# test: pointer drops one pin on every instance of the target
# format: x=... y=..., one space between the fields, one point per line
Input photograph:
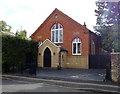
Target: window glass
x=56 y=25
x=57 y=33
x=78 y=46
x=76 y=39
x=60 y=26
x=53 y=36
x=61 y=36
x=74 y=48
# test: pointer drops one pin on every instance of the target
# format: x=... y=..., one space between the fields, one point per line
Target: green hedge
x=14 y=50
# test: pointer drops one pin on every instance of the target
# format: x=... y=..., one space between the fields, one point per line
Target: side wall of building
x=97 y=42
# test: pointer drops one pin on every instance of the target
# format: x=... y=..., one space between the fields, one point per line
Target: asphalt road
x=24 y=86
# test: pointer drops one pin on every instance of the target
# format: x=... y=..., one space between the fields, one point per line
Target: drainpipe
x=59 y=66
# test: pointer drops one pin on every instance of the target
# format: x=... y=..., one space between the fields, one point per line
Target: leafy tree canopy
x=108 y=24
x=21 y=34
x=4 y=26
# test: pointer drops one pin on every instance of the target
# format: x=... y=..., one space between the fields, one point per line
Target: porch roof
x=63 y=49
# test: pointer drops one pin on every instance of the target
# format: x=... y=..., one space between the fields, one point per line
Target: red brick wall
x=71 y=29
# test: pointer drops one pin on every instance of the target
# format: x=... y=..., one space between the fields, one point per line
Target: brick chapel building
x=64 y=42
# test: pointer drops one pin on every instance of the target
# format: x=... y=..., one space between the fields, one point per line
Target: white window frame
x=57 y=30
x=76 y=41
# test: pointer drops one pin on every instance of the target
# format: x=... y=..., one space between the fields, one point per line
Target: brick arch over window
x=57 y=33
x=76 y=46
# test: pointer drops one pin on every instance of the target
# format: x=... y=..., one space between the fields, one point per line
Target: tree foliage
x=15 y=50
x=108 y=24
x=4 y=26
x=21 y=34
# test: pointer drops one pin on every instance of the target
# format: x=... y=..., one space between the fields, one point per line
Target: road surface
x=24 y=86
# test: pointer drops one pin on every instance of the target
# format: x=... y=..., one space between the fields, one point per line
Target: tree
x=108 y=24
x=21 y=34
x=4 y=26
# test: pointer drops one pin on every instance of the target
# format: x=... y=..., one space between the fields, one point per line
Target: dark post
x=21 y=68
x=4 y=68
x=13 y=69
x=108 y=68
x=59 y=66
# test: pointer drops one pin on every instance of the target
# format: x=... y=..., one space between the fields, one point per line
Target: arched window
x=57 y=33
x=76 y=46
x=92 y=47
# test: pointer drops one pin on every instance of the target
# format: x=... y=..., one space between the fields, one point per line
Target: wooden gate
x=100 y=61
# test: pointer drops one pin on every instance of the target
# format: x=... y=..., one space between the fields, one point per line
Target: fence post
x=108 y=67
x=21 y=68
x=13 y=68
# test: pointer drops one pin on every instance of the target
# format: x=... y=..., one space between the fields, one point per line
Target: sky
x=30 y=14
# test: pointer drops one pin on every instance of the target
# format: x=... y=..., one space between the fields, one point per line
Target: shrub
x=15 y=53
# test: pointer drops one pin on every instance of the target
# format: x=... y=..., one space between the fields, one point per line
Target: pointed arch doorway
x=47 y=58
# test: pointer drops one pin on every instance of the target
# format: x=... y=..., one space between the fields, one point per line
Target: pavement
x=80 y=79
x=73 y=74
x=16 y=86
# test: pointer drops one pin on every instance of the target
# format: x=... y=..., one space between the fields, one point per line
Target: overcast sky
x=31 y=13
